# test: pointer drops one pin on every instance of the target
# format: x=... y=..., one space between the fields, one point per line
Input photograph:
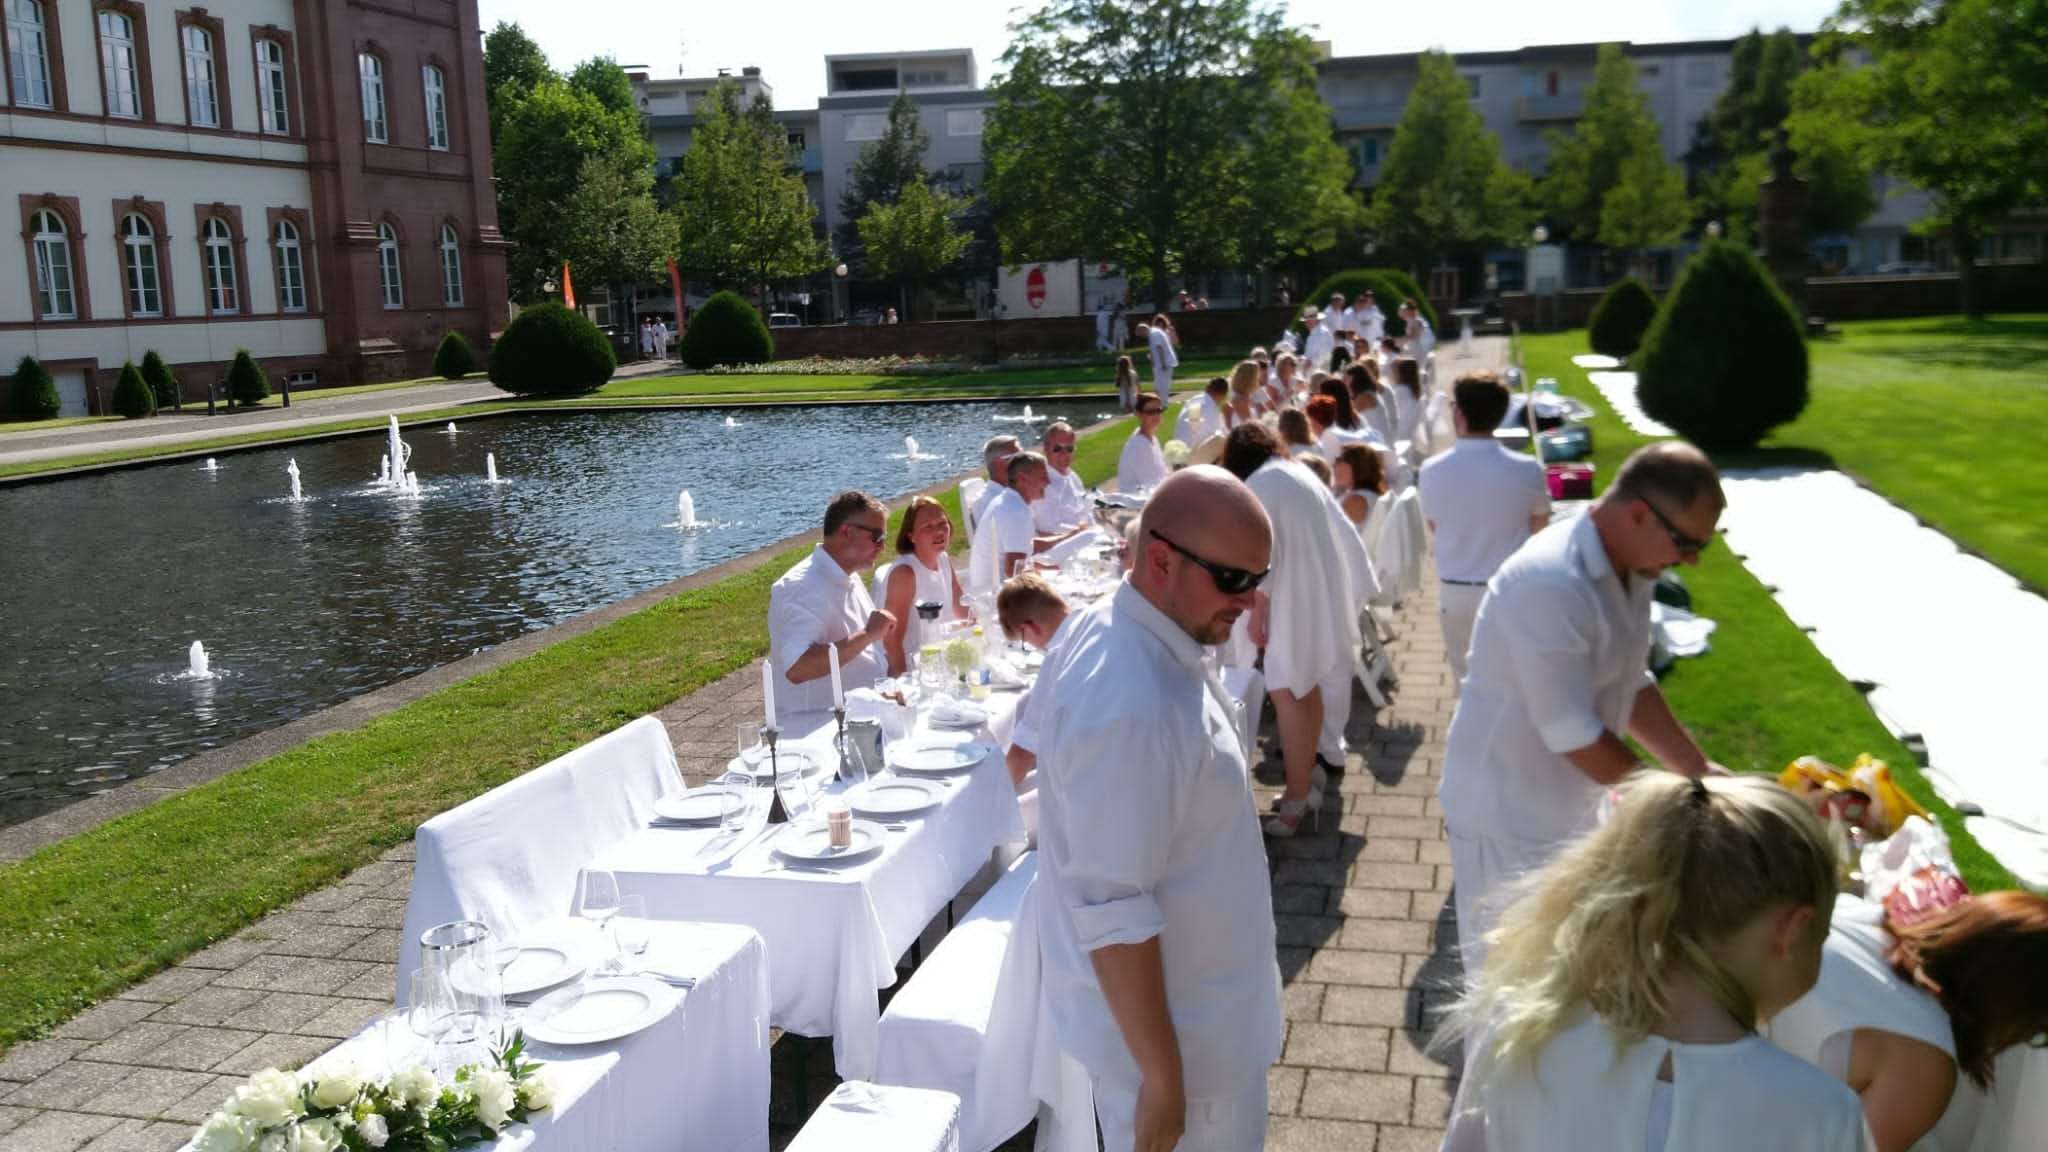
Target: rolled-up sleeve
x=1553 y=626
x=1119 y=841
x=794 y=626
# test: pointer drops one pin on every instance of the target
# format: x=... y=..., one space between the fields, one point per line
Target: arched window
x=221 y=289
x=118 y=68
x=371 y=71
x=387 y=267
x=138 y=262
x=54 y=295
x=436 y=86
x=202 y=93
x=451 y=267
x=272 y=94
x=291 y=269
x=28 y=54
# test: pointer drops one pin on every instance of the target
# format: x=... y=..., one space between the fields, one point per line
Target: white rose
x=275 y=1142
x=373 y=1130
x=336 y=1085
x=321 y=1135
x=270 y=1098
x=540 y=1095
x=224 y=1132
x=494 y=1097
x=415 y=1086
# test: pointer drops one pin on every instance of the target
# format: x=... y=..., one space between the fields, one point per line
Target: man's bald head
x=1200 y=512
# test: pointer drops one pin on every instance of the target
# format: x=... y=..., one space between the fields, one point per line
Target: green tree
x=33 y=395
x=162 y=384
x=1444 y=188
x=1646 y=208
x=615 y=233
x=132 y=397
x=1945 y=94
x=1297 y=208
x=741 y=213
x=602 y=77
x=545 y=139
x=513 y=67
x=913 y=240
x=882 y=172
x=1586 y=163
x=247 y=384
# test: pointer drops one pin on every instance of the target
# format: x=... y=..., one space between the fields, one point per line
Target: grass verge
x=1763 y=695
x=87 y=917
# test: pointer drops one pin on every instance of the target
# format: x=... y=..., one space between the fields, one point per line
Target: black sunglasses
x=1679 y=540
x=1229 y=581
x=875 y=534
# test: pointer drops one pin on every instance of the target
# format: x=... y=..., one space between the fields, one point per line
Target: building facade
x=306 y=179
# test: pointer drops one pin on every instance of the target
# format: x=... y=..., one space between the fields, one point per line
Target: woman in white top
x=1297 y=434
x=1357 y=478
x=1407 y=403
x=1618 y=1006
x=1126 y=384
x=922 y=573
x=1280 y=387
x=1914 y=1016
x=1247 y=388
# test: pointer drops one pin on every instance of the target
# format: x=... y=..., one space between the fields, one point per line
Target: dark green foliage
x=157 y=374
x=1389 y=287
x=1725 y=360
x=453 y=360
x=246 y=383
x=726 y=330
x=1621 y=318
x=132 y=397
x=549 y=350
x=33 y=395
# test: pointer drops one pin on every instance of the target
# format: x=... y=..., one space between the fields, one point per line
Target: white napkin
x=958 y=713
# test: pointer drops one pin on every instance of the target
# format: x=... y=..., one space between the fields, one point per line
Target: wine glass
x=427 y=1018
x=631 y=926
x=751 y=750
x=600 y=891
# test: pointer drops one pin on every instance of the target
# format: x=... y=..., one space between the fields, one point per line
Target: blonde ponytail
x=1681 y=865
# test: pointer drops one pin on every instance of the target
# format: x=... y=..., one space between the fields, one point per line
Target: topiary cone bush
x=157 y=374
x=453 y=360
x=33 y=395
x=548 y=350
x=1725 y=360
x=1621 y=318
x=246 y=383
x=726 y=330
x=132 y=397
x=1389 y=287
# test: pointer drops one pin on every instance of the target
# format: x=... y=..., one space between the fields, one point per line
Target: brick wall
x=2002 y=288
x=1051 y=336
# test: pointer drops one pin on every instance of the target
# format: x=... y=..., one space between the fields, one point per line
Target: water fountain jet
x=490 y=467
x=291 y=469
x=686 y=512
x=197 y=665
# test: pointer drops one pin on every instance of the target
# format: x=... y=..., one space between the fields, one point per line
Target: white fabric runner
x=863 y=1116
x=1619 y=390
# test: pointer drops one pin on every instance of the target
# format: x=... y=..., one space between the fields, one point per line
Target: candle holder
x=839 y=741
x=776 y=814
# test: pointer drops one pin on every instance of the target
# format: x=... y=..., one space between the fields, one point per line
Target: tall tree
x=741 y=213
x=914 y=239
x=544 y=139
x=513 y=65
x=615 y=233
x=884 y=169
x=1444 y=188
x=1587 y=163
x=1947 y=94
x=602 y=77
x=1297 y=186
x=1646 y=208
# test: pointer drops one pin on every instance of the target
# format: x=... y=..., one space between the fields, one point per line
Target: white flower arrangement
x=1176 y=453
x=332 y=1107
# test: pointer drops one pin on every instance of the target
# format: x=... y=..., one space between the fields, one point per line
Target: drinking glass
x=791 y=785
x=427 y=1019
x=600 y=891
x=931 y=669
x=632 y=927
x=732 y=812
x=751 y=750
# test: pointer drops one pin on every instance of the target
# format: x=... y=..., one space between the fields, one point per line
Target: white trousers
x=1162 y=383
x=1481 y=867
x=1457 y=607
x=1232 y=1122
x=1336 y=715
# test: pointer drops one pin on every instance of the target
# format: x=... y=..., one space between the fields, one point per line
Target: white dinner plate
x=698 y=806
x=813 y=842
x=894 y=797
x=964 y=714
x=938 y=757
x=547 y=959
x=597 y=1010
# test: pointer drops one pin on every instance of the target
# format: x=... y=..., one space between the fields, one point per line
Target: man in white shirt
x=1559 y=675
x=1482 y=502
x=1338 y=318
x=1372 y=323
x=1156 y=919
x=1159 y=343
x=823 y=601
x=1032 y=612
x=661 y=335
x=1142 y=466
x=1202 y=416
x=1005 y=539
x=1421 y=338
x=1064 y=507
x=994 y=454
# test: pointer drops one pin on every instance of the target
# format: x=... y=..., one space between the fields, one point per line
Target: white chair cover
x=510 y=857
x=970 y=491
x=864 y=1116
x=1395 y=536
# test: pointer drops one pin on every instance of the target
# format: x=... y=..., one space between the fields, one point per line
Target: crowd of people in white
x=1657 y=954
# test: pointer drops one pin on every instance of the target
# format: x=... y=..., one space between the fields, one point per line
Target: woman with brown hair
x=1126 y=384
x=922 y=573
x=1295 y=434
x=1357 y=478
x=1913 y=1017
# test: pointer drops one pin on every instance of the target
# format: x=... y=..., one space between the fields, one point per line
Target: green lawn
x=1938 y=414
x=93 y=914
x=1763 y=695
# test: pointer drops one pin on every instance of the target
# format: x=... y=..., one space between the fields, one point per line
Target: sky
x=789 y=39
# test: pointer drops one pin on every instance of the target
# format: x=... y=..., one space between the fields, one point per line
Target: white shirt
x=1333 y=440
x=818 y=602
x=1064 y=505
x=1147 y=829
x=1164 y=358
x=989 y=491
x=1199 y=420
x=1005 y=526
x=1317 y=348
x=1142 y=466
x=1408 y=416
x=1024 y=732
x=928 y=585
x=1421 y=337
x=1480 y=496
x=1372 y=325
x=1559 y=651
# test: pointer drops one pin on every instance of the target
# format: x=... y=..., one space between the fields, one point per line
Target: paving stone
x=1316 y=1045
x=105 y=1019
x=1374 y=804
x=136 y=1043
x=1302 y=1001
x=68 y=1085
x=1372 y=903
x=27 y=1061
x=146 y=1092
x=1339 y=967
x=1411 y=1055
x=1388 y=1007
x=1307 y=931
x=373 y=913
x=294 y=974
x=141 y=1136
x=1393 y=851
x=1389 y=874
x=275 y=1051
x=57 y=1132
x=1300 y=899
x=1356 y=1096
x=378 y=982
x=1283 y=1090
x=1406 y=827
x=1291 y=1134
x=203 y=1101
x=1433 y=1097
x=1428 y=907
x=172 y=984
x=282 y=1012
x=344 y=1018
x=1409 y=1139
x=202 y=1049
x=213 y=1004
x=1386 y=935
x=319 y=940
x=378 y=946
x=12 y=1118
x=283 y=925
x=231 y=953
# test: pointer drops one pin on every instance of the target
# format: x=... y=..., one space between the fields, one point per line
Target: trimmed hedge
x=246 y=382
x=1389 y=287
x=33 y=395
x=132 y=397
x=549 y=350
x=1622 y=317
x=726 y=330
x=1725 y=361
x=162 y=384
x=453 y=360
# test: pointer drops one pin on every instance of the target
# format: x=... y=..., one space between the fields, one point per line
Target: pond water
x=301 y=605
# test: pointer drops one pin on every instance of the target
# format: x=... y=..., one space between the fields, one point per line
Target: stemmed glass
x=600 y=902
x=632 y=928
x=751 y=750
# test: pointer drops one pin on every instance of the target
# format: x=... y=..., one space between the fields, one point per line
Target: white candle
x=832 y=659
x=768 y=691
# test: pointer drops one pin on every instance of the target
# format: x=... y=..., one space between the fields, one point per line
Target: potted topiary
x=453 y=360
x=1621 y=318
x=247 y=385
x=132 y=397
x=33 y=395
x=1725 y=360
x=549 y=350
x=726 y=330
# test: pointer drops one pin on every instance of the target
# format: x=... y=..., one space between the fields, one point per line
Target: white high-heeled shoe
x=1287 y=816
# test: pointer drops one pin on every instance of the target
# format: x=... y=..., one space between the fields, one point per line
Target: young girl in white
x=1619 y=1003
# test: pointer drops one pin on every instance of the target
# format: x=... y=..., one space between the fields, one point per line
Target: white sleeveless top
x=1859 y=989
x=935 y=586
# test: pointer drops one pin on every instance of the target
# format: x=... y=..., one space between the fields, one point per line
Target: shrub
x=157 y=374
x=34 y=394
x=132 y=397
x=1621 y=318
x=453 y=360
x=549 y=350
x=726 y=330
x=246 y=383
x=1725 y=360
x=1389 y=287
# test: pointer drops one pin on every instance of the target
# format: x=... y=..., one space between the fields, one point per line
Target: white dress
x=933 y=586
x=1312 y=625
x=1142 y=467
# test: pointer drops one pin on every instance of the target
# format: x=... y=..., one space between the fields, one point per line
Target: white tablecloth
x=833 y=936
x=859 y=1117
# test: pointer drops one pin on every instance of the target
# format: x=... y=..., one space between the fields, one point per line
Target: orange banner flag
x=568 y=288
